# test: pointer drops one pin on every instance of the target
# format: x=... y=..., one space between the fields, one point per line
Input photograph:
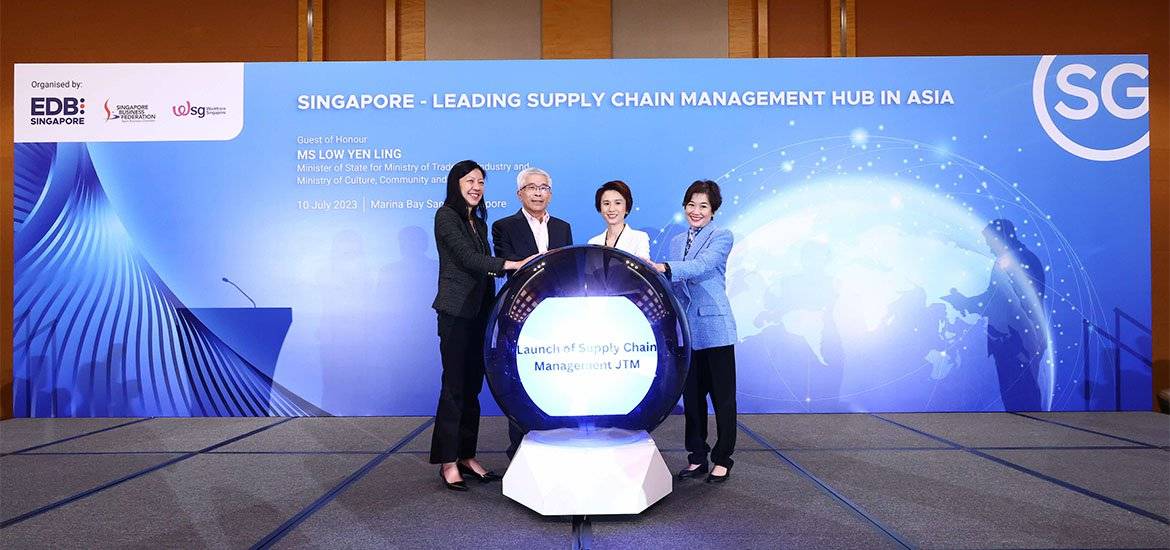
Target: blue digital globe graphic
x=847 y=244
x=587 y=337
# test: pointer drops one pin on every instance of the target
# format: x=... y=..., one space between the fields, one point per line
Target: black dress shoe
x=687 y=474
x=712 y=478
x=486 y=477
x=453 y=485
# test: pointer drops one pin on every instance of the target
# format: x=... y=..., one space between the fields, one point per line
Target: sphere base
x=574 y=471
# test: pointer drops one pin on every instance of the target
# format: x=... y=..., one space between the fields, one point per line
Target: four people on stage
x=696 y=265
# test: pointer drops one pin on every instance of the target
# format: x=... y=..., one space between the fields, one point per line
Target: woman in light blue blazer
x=697 y=267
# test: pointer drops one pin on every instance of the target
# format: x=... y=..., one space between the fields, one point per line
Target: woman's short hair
x=615 y=185
x=707 y=187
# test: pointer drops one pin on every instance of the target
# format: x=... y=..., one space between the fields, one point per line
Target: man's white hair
x=528 y=172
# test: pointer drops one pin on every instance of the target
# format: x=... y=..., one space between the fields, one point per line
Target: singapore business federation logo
x=1077 y=82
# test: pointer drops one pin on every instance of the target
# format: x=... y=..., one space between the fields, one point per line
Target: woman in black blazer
x=463 y=302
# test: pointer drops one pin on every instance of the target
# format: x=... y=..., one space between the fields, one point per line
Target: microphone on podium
x=241 y=291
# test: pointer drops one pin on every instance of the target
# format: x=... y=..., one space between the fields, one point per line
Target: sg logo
x=1079 y=81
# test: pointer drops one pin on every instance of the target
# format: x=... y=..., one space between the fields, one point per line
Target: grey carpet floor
x=493 y=437
x=208 y=501
x=949 y=499
x=372 y=434
x=832 y=431
x=1139 y=477
x=31 y=481
x=22 y=433
x=1145 y=426
x=163 y=435
x=671 y=434
x=400 y=504
x=765 y=504
x=1078 y=489
x=998 y=430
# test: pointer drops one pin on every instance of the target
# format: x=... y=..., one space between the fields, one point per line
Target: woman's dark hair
x=708 y=187
x=615 y=185
x=455 y=198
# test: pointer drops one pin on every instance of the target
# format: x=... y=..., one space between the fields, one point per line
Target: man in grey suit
x=531 y=230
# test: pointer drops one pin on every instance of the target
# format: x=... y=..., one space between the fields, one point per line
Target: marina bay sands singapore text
x=626 y=99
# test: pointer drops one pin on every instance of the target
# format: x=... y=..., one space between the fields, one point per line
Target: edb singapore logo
x=1097 y=110
x=57 y=111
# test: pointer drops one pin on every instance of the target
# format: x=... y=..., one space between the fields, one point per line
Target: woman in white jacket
x=614 y=202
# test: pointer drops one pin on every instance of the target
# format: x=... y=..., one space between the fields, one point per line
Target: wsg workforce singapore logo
x=1097 y=110
x=196 y=111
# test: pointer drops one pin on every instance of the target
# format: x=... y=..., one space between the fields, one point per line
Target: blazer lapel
x=700 y=240
x=525 y=231
x=473 y=235
x=558 y=233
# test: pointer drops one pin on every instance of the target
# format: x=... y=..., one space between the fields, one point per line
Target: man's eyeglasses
x=535 y=188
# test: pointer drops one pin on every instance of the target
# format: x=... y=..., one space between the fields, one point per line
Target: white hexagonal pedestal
x=585 y=472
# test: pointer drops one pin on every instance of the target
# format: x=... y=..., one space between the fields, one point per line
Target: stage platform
x=947 y=480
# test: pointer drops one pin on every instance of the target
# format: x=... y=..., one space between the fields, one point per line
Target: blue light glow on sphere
x=587 y=336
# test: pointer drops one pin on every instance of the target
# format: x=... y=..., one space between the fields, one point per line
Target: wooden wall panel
x=318 y=17
x=391 y=26
x=799 y=28
x=762 y=28
x=669 y=28
x=483 y=29
x=1004 y=27
x=576 y=29
x=121 y=31
x=741 y=28
x=355 y=30
x=412 y=30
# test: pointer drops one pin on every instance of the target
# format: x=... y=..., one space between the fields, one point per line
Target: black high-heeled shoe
x=487 y=476
x=712 y=478
x=686 y=473
x=452 y=485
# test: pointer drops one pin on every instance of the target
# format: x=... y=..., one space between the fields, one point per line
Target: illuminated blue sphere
x=587 y=337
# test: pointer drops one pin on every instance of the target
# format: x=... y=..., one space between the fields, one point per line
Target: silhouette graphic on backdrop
x=346 y=283
x=1015 y=333
x=406 y=313
x=369 y=314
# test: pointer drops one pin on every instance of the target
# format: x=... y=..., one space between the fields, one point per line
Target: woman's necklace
x=479 y=246
x=615 y=239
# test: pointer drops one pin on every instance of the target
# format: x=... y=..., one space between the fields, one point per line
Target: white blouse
x=631 y=240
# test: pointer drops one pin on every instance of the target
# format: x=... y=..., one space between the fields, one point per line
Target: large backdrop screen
x=156 y=205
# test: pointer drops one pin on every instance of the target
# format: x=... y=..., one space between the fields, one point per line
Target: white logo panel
x=128 y=102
